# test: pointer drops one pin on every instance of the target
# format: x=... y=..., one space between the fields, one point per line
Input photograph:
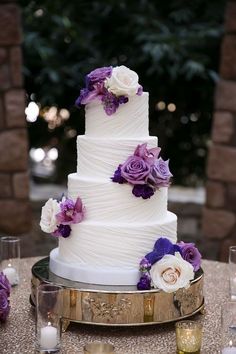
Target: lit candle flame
x=230 y=343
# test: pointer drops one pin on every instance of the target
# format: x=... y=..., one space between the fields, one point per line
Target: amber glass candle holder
x=188 y=337
x=99 y=348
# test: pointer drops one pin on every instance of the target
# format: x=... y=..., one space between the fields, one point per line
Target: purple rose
x=162 y=247
x=148 y=155
x=5 y=284
x=144 y=282
x=142 y=190
x=135 y=170
x=190 y=254
x=98 y=75
x=4 y=305
x=160 y=174
x=71 y=212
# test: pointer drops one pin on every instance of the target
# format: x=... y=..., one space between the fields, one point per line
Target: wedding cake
x=116 y=207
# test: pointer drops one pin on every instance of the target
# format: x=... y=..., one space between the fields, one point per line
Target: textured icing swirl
x=130 y=120
x=114 y=244
x=101 y=157
x=108 y=202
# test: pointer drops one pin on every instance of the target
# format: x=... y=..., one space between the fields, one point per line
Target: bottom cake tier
x=98 y=253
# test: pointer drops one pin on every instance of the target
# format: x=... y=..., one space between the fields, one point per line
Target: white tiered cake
x=119 y=229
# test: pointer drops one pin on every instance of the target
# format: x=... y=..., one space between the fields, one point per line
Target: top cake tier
x=129 y=121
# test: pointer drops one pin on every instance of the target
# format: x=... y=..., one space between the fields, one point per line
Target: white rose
x=48 y=222
x=171 y=273
x=123 y=81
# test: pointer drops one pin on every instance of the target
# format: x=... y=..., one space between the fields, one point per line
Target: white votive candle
x=48 y=337
x=229 y=350
x=11 y=275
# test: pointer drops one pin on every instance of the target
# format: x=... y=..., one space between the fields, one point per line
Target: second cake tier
x=107 y=201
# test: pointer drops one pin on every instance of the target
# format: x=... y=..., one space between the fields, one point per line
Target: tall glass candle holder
x=99 y=348
x=10 y=258
x=232 y=272
x=188 y=337
x=228 y=328
x=48 y=318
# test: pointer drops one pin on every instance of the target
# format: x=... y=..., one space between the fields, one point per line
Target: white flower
x=48 y=222
x=123 y=81
x=171 y=273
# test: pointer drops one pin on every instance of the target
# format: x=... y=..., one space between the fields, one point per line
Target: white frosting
x=119 y=228
x=91 y=275
x=130 y=119
x=101 y=157
x=114 y=245
x=108 y=201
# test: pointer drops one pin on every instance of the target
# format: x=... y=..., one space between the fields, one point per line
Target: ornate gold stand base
x=118 y=305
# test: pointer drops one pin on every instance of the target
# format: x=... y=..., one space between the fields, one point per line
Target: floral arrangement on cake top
x=57 y=217
x=112 y=86
x=5 y=289
x=145 y=171
x=169 y=266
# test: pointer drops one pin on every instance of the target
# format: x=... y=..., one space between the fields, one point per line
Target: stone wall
x=219 y=217
x=14 y=181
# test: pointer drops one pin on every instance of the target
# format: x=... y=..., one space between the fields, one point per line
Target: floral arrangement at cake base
x=57 y=217
x=144 y=171
x=169 y=266
x=5 y=289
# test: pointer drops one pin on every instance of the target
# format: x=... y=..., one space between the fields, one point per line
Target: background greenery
x=174 y=46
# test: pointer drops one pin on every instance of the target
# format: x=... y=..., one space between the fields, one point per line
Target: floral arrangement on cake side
x=169 y=266
x=145 y=171
x=58 y=216
x=5 y=289
x=112 y=86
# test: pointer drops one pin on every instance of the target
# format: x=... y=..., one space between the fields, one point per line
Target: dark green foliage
x=173 y=45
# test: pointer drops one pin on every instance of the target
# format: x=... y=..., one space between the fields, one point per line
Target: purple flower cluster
x=5 y=288
x=144 y=171
x=145 y=279
x=95 y=89
x=162 y=247
x=94 y=86
x=71 y=213
x=190 y=254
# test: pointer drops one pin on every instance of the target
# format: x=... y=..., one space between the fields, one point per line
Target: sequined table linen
x=17 y=335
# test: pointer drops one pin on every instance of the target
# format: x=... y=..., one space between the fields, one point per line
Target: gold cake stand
x=119 y=305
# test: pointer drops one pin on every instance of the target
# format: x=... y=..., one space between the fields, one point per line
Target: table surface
x=17 y=334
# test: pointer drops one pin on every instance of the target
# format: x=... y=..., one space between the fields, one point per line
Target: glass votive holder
x=49 y=299
x=10 y=258
x=188 y=337
x=99 y=348
x=228 y=328
x=232 y=272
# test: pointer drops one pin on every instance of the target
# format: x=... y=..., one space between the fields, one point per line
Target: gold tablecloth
x=17 y=334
